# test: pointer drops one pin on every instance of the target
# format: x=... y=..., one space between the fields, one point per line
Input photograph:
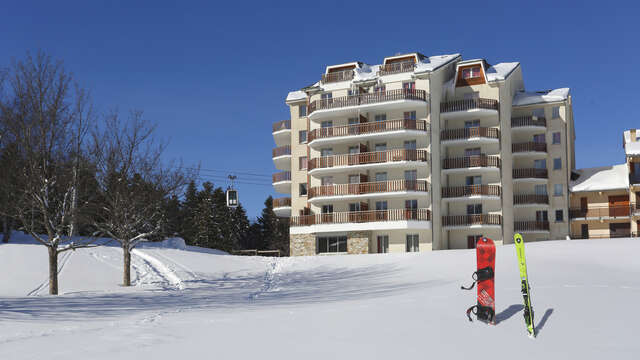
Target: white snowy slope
x=392 y=306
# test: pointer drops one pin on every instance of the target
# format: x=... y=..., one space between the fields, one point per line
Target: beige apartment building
x=422 y=153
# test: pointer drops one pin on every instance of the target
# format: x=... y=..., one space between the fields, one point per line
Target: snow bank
x=601 y=178
x=528 y=98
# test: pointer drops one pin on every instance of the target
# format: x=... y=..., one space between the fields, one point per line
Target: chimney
x=633 y=135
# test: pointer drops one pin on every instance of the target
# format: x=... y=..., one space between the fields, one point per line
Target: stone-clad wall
x=302 y=244
x=358 y=242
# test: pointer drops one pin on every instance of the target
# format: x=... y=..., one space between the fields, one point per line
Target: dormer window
x=472 y=72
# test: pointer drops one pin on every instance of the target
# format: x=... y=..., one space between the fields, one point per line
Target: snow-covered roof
x=431 y=63
x=601 y=178
x=529 y=98
x=501 y=71
x=296 y=95
x=366 y=73
x=632 y=146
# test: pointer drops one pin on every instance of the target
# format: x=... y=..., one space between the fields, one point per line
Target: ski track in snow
x=271 y=280
x=160 y=269
x=62 y=261
x=192 y=275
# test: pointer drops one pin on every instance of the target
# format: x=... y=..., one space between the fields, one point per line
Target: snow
x=365 y=73
x=396 y=306
x=434 y=62
x=631 y=146
x=601 y=178
x=296 y=95
x=500 y=71
x=528 y=98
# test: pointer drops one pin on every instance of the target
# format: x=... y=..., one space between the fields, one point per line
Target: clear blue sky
x=214 y=74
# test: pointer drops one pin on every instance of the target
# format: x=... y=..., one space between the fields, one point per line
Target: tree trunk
x=126 y=280
x=6 y=229
x=53 y=271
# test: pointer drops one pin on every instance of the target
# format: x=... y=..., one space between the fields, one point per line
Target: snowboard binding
x=480 y=275
x=483 y=313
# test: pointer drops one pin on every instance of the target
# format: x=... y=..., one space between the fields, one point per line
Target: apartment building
x=422 y=153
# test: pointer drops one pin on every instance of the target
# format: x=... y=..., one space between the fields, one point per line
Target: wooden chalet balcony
x=375 y=157
x=468 y=220
x=362 y=217
x=529 y=147
x=531 y=226
x=471 y=190
x=368 y=188
x=281 y=202
x=368 y=128
x=281 y=151
x=281 y=176
x=530 y=173
x=337 y=76
x=471 y=161
x=596 y=212
x=530 y=199
x=467 y=133
x=395 y=68
x=523 y=121
x=368 y=98
x=469 y=104
x=282 y=125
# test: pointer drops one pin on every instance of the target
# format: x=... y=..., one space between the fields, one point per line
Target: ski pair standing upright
x=524 y=284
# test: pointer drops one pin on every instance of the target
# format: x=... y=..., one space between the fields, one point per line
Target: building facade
x=422 y=153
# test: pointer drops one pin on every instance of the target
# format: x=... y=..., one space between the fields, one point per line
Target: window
x=472 y=152
x=351 y=92
x=557 y=190
x=379 y=88
x=472 y=123
x=474 y=180
x=354 y=179
x=539 y=139
x=470 y=73
x=559 y=217
x=302 y=110
x=327 y=209
x=474 y=209
x=326 y=180
x=413 y=243
x=541 y=189
x=326 y=124
x=303 y=189
x=409 y=115
x=353 y=121
x=541 y=215
x=540 y=164
x=555 y=112
x=381 y=147
x=411 y=175
x=472 y=240
x=326 y=96
x=556 y=137
x=326 y=152
x=539 y=113
x=409 y=85
x=302 y=136
x=381 y=205
x=381 y=176
x=302 y=162
x=410 y=145
x=472 y=95
x=354 y=207
x=411 y=204
x=354 y=149
x=557 y=164
x=380 y=117
x=383 y=243
x=332 y=244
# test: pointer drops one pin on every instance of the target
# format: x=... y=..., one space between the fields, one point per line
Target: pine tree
x=173 y=216
x=241 y=226
x=203 y=217
x=223 y=238
x=188 y=211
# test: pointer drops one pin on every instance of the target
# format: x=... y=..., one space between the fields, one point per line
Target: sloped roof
x=530 y=98
x=601 y=178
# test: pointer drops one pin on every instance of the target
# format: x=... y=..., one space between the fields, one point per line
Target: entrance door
x=619 y=205
x=472 y=240
x=383 y=244
x=584 y=229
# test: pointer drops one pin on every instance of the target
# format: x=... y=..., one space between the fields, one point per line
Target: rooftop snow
x=631 y=147
x=433 y=62
x=601 y=178
x=296 y=95
x=501 y=71
x=528 y=98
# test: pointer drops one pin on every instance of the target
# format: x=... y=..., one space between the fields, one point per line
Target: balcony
x=367 y=130
x=362 y=221
x=601 y=212
x=337 y=76
x=282 y=132
x=531 y=226
x=524 y=123
x=282 y=182
x=396 y=68
x=634 y=179
x=367 y=190
x=467 y=107
x=388 y=158
x=475 y=162
x=472 y=192
x=392 y=99
x=474 y=134
x=476 y=220
x=623 y=234
x=282 y=157
x=530 y=174
x=528 y=148
x=282 y=206
x=530 y=200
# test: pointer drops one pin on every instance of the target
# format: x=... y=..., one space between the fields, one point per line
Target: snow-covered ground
x=190 y=303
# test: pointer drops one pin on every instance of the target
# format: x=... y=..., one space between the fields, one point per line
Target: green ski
x=526 y=294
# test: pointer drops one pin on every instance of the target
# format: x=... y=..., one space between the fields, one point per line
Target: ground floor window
x=413 y=243
x=332 y=244
x=383 y=243
x=472 y=240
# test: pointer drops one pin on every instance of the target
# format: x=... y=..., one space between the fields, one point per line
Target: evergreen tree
x=173 y=217
x=241 y=225
x=274 y=230
x=253 y=237
x=188 y=211
x=203 y=217
x=224 y=225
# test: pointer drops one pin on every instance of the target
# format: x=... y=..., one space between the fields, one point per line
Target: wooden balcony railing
x=337 y=76
x=468 y=220
x=467 y=133
x=368 y=188
x=471 y=190
x=281 y=176
x=595 y=212
x=530 y=199
x=368 y=158
x=530 y=173
x=531 y=225
x=362 y=217
x=282 y=125
x=528 y=121
x=471 y=161
x=395 y=68
x=529 y=147
x=469 y=104
x=368 y=98
x=281 y=202
x=281 y=151
x=368 y=128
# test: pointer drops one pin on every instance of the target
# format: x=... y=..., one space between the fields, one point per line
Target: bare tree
x=133 y=183
x=43 y=113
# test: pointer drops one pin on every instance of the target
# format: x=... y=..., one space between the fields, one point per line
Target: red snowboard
x=486 y=254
